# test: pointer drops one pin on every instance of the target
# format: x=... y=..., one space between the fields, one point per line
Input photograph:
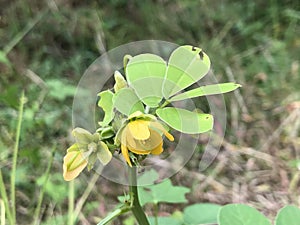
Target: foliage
x=232 y=214
x=253 y=42
x=207 y=213
x=246 y=215
x=162 y=192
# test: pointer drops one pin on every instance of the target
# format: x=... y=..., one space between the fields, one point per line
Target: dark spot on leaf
x=201 y=55
x=193 y=48
x=207 y=117
x=142 y=170
x=147 y=189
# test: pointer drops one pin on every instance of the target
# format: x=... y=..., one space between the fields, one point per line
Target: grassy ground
x=47 y=45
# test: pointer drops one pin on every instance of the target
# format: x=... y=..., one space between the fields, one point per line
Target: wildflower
x=142 y=135
x=87 y=149
x=74 y=163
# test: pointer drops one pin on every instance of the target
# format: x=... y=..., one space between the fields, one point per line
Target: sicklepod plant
x=138 y=114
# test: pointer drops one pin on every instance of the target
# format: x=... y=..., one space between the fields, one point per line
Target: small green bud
x=126 y=60
x=120 y=81
x=85 y=153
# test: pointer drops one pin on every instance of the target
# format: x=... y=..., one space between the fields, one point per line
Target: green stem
x=15 y=157
x=71 y=203
x=41 y=195
x=5 y=200
x=117 y=212
x=165 y=103
x=2 y=207
x=85 y=195
x=136 y=209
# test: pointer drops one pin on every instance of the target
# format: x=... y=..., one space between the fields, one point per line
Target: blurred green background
x=45 y=46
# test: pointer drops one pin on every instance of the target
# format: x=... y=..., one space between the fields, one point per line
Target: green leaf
x=148 y=177
x=9 y=96
x=129 y=220
x=163 y=192
x=187 y=65
x=82 y=136
x=106 y=103
x=239 y=214
x=60 y=90
x=288 y=215
x=186 y=121
x=106 y=132
x=126 y=102
x=145 y=73
x=164 y=221
x=103 y=154
x=205 y=213
x=206 y=90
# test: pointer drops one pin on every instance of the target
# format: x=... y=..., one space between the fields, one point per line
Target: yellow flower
x=142 y=135
x=74 y=163
x=85 y=152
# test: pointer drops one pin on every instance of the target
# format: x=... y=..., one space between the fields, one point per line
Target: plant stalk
x=136 y=209
x=71 y=203
x=5 y=200
x=2 y=208
x=165 y=103
x=15 y=157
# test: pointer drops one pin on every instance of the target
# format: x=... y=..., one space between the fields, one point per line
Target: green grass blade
x=21 y=34
x=2 y=216
x=15 y=157
x=5 y=200
x=110 y=217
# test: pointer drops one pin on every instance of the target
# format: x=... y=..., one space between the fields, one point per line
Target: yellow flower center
x=143 y=137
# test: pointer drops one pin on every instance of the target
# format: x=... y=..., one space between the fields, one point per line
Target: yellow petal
x=127 y=138
x=158 y=150
x=125 y=154
x=139 y=151
x=74 y=163
x=124 y=149
x=130 y=141
x=139 y=129
x=169 y=136
x=156 y=125
x=146 y=145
